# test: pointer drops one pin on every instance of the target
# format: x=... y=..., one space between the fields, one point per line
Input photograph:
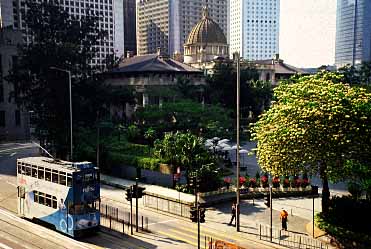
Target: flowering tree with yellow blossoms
x=315 y=124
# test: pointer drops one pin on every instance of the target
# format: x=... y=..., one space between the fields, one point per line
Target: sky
x=307 y=32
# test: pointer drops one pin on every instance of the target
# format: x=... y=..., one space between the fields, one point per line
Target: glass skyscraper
x=353 y=32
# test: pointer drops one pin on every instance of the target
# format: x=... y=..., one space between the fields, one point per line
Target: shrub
x=286 y=182
x=276 y=182
x=252 y=183
x=264 y=181
x=148 y=163
x=348 y=221
x=133 y=133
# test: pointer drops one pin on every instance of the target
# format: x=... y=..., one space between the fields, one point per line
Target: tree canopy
x=315 y=125
x=183 y=115
x=221 y=88
x=60 y=40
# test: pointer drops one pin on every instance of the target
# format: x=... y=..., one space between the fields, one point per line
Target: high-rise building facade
x=353 y=32
x=111 y=13
x=130 y=34
x=166 y=24
x=254 y=28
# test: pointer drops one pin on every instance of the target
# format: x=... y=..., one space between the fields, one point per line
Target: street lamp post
x=237 y=57
x=70 y=96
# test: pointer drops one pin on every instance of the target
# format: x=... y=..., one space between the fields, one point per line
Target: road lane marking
x=3 y=246
x=161 y=222
x=177 y=238
x=17 y=148
x=10 y=183
x=111 y=238
x=203 y=234
x=42 y=229
x=13 y=154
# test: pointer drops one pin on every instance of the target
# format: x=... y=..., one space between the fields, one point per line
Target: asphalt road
x=167 y=231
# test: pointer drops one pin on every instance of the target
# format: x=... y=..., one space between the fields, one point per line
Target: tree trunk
x=325 y=190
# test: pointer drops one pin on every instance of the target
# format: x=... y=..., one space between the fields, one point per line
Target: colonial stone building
x=205 y=42
x=151 y=76
x=274 y=70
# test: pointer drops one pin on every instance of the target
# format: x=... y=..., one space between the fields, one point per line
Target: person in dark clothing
x=233 y=213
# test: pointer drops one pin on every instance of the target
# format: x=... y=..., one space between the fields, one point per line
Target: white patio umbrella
x=223 y=141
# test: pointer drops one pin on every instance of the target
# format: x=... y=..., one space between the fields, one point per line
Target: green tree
x=67 y=42
x=221 y=88
x=315 y=125
x=184 y=115
x=188 y=152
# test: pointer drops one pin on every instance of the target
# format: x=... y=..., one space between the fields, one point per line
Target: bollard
x=106 y=210
x=260 y=232
x=110 y=222
x=128 y=221
x=147 y=224
x=123 y=227
x=142 y=222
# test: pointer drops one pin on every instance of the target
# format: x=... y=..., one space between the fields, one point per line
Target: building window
x=1 y=92
x=17 y=118
x=2 y=118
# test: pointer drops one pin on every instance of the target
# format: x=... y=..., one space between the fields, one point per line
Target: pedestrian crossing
x=188 y=234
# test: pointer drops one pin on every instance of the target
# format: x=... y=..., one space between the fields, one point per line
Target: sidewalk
x=252 y=216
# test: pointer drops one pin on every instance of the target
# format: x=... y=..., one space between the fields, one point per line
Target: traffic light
x=268 y=203
x=194 y=215
x=202 y=215
x=128 y=194
x=140 y=191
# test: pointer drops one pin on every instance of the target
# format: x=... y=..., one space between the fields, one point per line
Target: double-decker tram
x=63 y=194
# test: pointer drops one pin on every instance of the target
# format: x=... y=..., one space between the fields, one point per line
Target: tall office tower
x=254 y=28
x=130 y=34
x=111 y=13
x=166 y=24
x=353 y=32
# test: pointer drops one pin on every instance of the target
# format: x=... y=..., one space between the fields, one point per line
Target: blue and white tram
x=63 y=194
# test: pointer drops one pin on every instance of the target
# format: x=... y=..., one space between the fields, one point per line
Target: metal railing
x=167 y=205
x=289 y=239
x=119 y=220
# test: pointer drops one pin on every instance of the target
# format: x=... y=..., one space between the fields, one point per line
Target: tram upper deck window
x=55 y=176
x=62 y=178
x=34 y=171
x=40 y=174
x=19 y=167
x=48 y=175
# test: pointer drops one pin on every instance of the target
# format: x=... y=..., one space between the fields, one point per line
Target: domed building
x=205 y=43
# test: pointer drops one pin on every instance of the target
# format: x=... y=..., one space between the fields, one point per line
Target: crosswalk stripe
x=203 y=233
x=177 y=238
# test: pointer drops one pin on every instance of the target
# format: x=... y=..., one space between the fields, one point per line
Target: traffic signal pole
x=136 y=204
x=198 y=221
x=131 y=214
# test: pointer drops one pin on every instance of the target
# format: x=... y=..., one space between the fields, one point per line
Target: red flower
x=264 y=178
x=242 y=180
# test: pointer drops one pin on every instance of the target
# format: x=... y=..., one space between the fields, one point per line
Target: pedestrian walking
x=283 y=217
x=233 y=213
